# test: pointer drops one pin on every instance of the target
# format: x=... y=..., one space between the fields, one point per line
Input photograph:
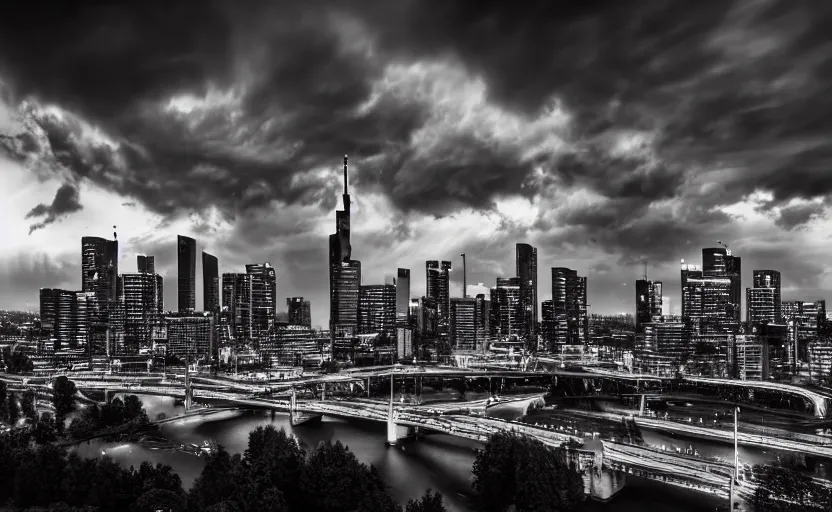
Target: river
x=439 y=462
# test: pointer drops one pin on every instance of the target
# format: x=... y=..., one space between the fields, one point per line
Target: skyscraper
x=571 y=322
x=648 y=302
x=402 y=296
x=186 y=274
x=142 y=295
x=718 y=262
x=438 y=286
x=263 y=297
x=506 y=307
x=526 y=259
x=762 y=301
x=300 y=311
x=236 y=300
x=462 y=331
x=377 y=309
x=99 y=267
x=344 y=273
x=145 y=264
x=210 y=283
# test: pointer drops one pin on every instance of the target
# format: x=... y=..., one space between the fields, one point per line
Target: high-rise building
x=377 y=309
x=483 y=319
x=720 y=263
x=648 y=302
x=99 y=267
x=403 y=297
x=437 y=275
x=347 y=286
x=769 y=279
x=571 y=322
x=300 y=311
x=191 y=335
x=708 y=298
x=145 y=264
x=186 y=273
x=462 y=330
x=263 y=297
x=236 y=300
x=210 y=283
x=143 y=297
x=506 y=308
x=64 y=314
x=547 y=324
x=344 y=273
x=526 y=262
x=761 y=305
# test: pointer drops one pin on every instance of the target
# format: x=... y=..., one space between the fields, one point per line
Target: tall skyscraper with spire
x=344 y=273
x=527 y=273
x=186 y=275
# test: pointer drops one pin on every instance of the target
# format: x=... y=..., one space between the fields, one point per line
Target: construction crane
x=723 y=244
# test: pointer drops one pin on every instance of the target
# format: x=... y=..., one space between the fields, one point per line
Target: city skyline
x=594 y=176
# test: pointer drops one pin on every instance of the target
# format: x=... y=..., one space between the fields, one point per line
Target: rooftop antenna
x=644 y=264
x=346 y=190
x=115 y=235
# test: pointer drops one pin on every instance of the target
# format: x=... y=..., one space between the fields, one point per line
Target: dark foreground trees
x=517 y=470
x=275 y=473
x=784 y=489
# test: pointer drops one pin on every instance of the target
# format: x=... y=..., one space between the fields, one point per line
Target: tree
x=430 y=502
x=14 y=411
x=44 y=430
x=784 y=489
x=335 y=480
x=28 y=405
x=521 y=471
x=17 y=362
x=159 y=499
x=63 y=396
x=4 y=413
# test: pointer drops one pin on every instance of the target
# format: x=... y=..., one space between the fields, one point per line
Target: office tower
x=770 y=279
x=346 y=286
x=648 y=302
x=344 y=273
x=210 y=283
x=708 y=298
x=236 y=299
x=300 y=311
x=506 y=308
x=186 y=273
x=462 y=330
x=190 y=335
x=526 y=262
x=403 y=297
x=99 y=267
x=720 y=263
x=145 y=264
x=263 y=297
x=142 y=295
x=761 y=305
x=547 y=324
x=437 y=275
x=425 y=316
x=64 y=313
x=483 y=319
x=377 y=309
x=571 y=322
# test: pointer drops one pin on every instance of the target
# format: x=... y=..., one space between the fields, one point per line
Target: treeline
x=117 y=413
x=276 y=473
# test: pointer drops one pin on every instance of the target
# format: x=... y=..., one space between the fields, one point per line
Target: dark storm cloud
x=66 y=201
x=792 y=217
x=713 y=85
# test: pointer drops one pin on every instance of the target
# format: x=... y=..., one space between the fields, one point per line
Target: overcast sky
x=600 y=132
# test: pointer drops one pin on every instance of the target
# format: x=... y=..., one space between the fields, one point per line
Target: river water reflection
x=439 y=462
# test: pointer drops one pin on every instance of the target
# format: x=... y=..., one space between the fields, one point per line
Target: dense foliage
x=783 y=489
x=128 y=413
x=523 y=472
x=46 y=476
x=275 y=473
x=16 y=361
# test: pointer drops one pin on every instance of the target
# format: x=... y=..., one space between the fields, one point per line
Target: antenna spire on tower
x=346 y=190
x=644 y=262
